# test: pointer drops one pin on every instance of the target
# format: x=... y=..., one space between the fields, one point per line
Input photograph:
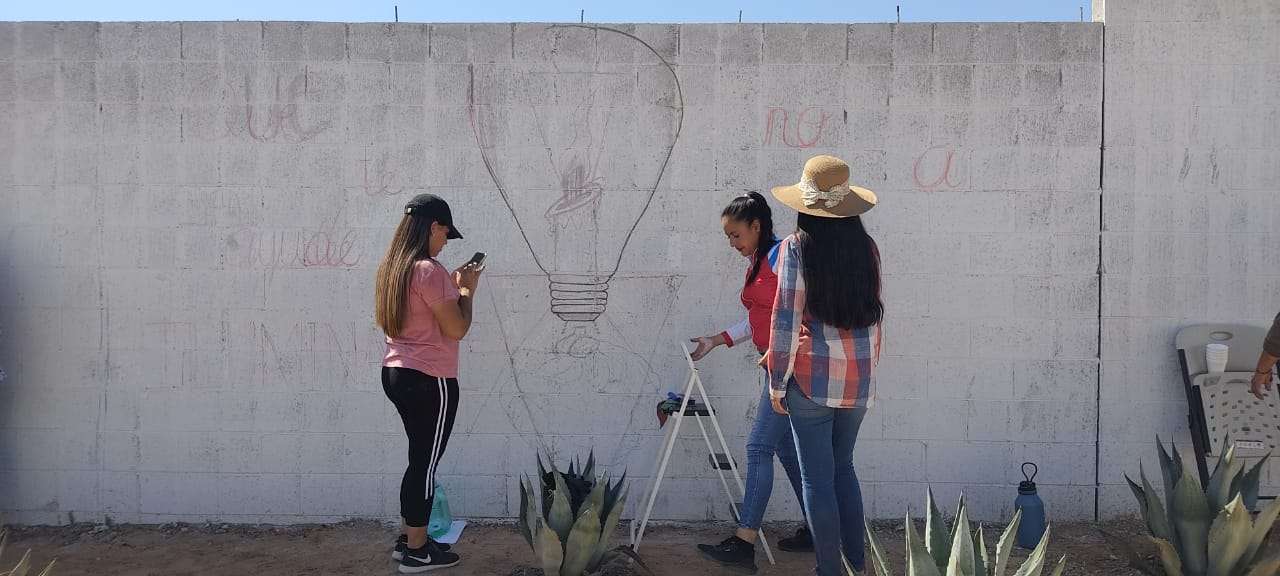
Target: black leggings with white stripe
x=427 y=405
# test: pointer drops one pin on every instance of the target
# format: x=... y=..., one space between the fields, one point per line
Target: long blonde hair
x=410 y=244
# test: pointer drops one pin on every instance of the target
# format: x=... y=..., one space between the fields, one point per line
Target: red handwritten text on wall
x=935 y=169
x=802 y=129
x=325 y=247
x=280 y=119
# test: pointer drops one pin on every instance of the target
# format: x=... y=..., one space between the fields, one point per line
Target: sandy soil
x=364 y=547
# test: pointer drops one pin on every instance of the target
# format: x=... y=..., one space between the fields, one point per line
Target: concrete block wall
x=196 y=211
x=193 y=213
x=1191 y=203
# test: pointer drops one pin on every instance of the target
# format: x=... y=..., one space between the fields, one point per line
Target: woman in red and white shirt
x=748 y=223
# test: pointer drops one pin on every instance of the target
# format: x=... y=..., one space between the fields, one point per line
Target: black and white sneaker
x=402 y=544
x=426 y=559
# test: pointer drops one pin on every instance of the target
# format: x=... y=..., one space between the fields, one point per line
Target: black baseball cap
x=435 y=208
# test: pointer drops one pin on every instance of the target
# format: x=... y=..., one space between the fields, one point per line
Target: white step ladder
x=721 y=461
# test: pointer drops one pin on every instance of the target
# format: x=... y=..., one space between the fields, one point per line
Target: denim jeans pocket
x=800 y=405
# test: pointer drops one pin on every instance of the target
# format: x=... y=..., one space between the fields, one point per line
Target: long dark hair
x=841 y=271
x=748 y=208
x=391 y=292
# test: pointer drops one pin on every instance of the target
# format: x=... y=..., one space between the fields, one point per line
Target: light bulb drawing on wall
x=577 y=150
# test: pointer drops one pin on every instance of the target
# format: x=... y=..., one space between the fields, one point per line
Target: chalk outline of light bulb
x=577 y=297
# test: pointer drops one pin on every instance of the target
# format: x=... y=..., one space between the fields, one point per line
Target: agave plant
x=1207 y=531
x=958 y=551
x=23 y=568
x=579 y=513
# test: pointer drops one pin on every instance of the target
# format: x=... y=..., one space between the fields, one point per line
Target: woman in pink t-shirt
x=424 y=310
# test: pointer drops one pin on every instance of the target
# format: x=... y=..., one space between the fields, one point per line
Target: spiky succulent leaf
x=1192 y=518
x=1261 y=526
x=561 y=517
x=531 y=508
x=1250 y=481
x=579 y=488
x=546 y=485
x=611 y=496
x=1268 y=567
x=919 y=561
x=23 y=566
x=936 y=534
x=1034 y=564
x=581 y=544
x=1004 y=547
x=1157 y=519
x=1236 y=484
x=1061 y=566
x=548 y=551
x=606 y=532
x=525 y=518
x=1229 y=538
x=1225 y=475
x=881 y=563
x=955 y=525
x=1138 y=494
x=979 y=553
x=596 y=498
x=961 y=561
x=1169 y=559
x=1227 y=456
x=591 y=464
x=1170 y=472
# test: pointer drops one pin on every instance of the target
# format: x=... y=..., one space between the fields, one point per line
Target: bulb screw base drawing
x=578 y=298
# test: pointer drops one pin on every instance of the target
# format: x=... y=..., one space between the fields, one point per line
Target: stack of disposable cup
x=1215 y=356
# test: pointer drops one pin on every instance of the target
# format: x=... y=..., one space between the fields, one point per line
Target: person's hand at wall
x=705 y=345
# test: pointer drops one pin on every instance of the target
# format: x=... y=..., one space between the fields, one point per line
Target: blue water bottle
x=441 y=520
x=1032 y=526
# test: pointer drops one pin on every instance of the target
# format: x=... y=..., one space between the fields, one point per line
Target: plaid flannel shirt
x=831 y=366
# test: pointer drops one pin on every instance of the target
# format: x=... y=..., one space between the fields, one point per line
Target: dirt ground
x=364 y=547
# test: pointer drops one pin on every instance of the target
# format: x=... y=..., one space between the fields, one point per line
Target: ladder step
x=719 y=461
x=693 y=409
x=696 y=410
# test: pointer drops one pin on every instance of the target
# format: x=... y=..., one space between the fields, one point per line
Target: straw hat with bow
x=824 y=190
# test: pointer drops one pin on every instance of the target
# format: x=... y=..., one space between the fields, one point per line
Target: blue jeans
x=771 y=434
x=832 y=498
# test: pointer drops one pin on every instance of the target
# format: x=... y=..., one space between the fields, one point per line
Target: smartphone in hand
x=477 y=260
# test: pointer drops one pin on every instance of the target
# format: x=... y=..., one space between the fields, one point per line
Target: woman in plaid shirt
x=823 y=347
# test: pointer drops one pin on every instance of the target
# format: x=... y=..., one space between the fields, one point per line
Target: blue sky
x=549 y=10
